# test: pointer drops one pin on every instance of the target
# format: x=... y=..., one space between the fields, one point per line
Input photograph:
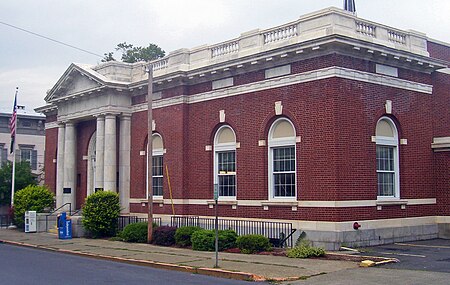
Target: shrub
x=31 y=198
x=252 y=243
x=204 y=240
x=183 y=235
x=100 y=213
x=305 y=250
x=136 y=232
x=164 y=235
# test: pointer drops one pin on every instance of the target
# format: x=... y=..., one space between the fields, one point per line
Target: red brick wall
x=84 y=133
x=439 y=51
x=441 y=103
x=170 y=125
x=442 y=164
x=51 y=145
x=336 y=119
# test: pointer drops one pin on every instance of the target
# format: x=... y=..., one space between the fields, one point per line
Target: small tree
x=133 y=54
x=100 y=213
x=23 y=179
x=31 y=198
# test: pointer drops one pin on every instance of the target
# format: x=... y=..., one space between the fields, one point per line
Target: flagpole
x=13 y=178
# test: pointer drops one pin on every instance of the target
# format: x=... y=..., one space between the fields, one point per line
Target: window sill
x=280 y=203
x=223 y=202
x=387 y=202
x=155 y=201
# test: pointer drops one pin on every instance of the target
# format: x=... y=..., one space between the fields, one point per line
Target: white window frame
x=276 y=143
x=156 y=152
x=24 y=150
x=391 y=142
x=224 y=147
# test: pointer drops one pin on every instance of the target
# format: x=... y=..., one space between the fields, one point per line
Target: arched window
x=282 y=160
x=225 y=162
x=388 y=180
x=157 y=166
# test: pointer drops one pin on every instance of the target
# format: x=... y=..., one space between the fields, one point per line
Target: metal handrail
x=52 y=212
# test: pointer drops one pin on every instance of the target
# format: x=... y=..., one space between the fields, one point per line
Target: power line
x=50 y=39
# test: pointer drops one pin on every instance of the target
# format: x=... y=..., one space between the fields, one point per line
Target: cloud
x=33 y=84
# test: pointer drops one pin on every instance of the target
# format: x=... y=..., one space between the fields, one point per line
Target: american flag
x=13 y=122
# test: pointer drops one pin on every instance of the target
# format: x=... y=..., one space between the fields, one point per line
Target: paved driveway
x=428 y=255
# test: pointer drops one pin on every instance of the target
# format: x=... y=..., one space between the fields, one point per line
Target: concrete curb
x=377 y=260
x=215 y=272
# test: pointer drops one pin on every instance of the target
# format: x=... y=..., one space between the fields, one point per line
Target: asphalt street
x=421 y=262
x=428 y=255
x=23 y=266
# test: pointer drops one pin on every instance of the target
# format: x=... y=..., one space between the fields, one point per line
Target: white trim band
x=310 y=204
x=318 y=74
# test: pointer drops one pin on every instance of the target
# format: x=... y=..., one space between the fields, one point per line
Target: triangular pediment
x=75 y=80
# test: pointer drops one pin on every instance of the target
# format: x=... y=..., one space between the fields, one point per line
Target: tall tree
x=24 y=177
x=133 y=54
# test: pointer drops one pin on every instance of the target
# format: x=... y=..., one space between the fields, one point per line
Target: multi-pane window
x=282 y=160
x=227 y=173
x=157 y=175
x=157 y=167
x=385 y=170
x=3 y=155
x=225 y=162
x=387 y=159
x=284 y=171
x=29 y=155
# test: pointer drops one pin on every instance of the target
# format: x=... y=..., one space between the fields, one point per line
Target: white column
x=124 y=163
x=60 y=166
x=110 y=159
x=99 y=152
x=70 y=162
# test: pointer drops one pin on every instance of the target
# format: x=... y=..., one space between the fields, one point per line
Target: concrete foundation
x=444 y=231
x=360 y=238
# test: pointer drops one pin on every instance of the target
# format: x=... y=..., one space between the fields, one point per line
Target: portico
x=94 y=158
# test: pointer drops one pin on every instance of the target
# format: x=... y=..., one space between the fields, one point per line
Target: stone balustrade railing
x=223 y=49
x=366 y=29
x=280 y=34
x=397 y=37
x=311 y=27
x=160 y=64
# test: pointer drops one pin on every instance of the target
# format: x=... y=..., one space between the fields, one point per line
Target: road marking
x=420 y=245
x=404 y=254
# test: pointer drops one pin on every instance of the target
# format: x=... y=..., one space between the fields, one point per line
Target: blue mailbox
x=64 y=226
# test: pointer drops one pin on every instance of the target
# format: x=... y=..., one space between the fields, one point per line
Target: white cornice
x=319 y=74
x=305 y=204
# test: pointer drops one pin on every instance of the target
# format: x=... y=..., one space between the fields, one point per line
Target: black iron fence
x=279 y=233
x=123 y=221
x=5 y=221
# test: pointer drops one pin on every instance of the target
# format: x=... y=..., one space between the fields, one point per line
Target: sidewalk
x=232 y=265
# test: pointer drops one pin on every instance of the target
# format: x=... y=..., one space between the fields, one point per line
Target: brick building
x=323 y=122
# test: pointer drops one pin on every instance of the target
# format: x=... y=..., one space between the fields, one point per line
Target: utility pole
x=216 y=224
x=150 y=153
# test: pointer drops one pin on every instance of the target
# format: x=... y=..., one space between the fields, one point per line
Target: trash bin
x=64 y=226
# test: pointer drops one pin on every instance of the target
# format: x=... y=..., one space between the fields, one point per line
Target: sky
x=34 y=64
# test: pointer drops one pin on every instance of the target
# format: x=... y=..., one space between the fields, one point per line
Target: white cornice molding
x=305 y=204
x=51 y=125
x=329 y=72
